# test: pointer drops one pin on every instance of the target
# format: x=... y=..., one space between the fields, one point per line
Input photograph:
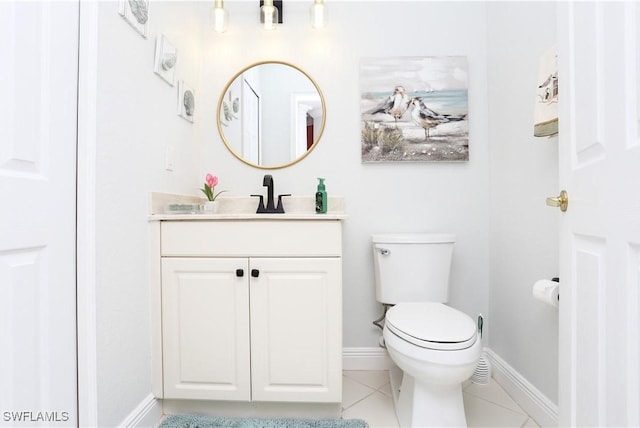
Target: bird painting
x=414 y=109
x=395 y=105
x=426 y=118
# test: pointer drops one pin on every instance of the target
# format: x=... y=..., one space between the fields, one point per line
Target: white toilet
x=434 y=346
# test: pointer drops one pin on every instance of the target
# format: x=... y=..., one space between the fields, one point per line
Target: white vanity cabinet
x=250 y=311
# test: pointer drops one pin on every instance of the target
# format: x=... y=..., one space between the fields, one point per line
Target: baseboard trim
x=147 y=414
x=365 y=359
x=532 y=401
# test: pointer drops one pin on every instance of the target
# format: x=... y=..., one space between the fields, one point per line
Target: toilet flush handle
x=384 y=251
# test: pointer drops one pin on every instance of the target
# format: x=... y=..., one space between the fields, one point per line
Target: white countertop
x=248 y=216
x=244 y=208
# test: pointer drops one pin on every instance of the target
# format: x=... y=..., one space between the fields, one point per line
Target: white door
x=296 y=334
x=38 y=98
x=205 y=328
x=599 y=54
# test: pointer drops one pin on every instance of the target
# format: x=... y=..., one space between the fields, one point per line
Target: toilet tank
x=412 y=267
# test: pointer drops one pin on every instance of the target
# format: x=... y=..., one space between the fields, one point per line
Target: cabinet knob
x=239 y=273
x=255 y=273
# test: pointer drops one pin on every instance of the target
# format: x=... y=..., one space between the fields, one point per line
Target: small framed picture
x=186 y=101
x=136 y=13
x=165 y=61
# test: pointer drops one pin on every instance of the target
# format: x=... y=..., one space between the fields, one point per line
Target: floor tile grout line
x=483 y=397
x=384 y=393
x=371 y=388
x=521 y=412
x=362 y=383
x=362 y=399
x=524 y=424
x=368 y=393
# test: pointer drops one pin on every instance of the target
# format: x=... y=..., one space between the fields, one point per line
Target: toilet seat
x=431 y=325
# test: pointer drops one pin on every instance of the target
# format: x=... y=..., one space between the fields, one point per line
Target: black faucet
x=267 y=181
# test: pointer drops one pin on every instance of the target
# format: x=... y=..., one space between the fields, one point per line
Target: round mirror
x=271 y=115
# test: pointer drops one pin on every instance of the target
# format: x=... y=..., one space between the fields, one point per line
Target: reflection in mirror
x=271 y=115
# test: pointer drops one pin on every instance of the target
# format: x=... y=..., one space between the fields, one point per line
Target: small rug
x=197 y=421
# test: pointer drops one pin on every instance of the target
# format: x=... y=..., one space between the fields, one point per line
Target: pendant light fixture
x=318 y=14
x=269 y=16
x=219 y=17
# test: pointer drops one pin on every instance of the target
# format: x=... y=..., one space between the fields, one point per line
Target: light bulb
x=318 y=14
x=269 y=15
x=219 y=17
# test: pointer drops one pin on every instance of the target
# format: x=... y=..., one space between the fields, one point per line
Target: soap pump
x=321 y=197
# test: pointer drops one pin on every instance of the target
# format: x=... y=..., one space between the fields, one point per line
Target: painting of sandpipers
x=414 y=109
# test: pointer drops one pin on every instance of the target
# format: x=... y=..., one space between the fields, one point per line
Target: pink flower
x=211 y=180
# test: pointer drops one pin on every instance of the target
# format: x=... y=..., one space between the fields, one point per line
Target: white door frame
x=86 y=215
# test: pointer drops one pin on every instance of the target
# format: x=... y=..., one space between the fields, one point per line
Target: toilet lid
x=431 y=325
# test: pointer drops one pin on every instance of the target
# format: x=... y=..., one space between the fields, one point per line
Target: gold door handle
x=561 y=201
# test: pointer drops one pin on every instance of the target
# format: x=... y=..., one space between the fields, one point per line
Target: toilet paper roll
x=547 y=291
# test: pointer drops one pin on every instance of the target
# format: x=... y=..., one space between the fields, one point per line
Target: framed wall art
x=136 y=13
x=414 y=109
x=186 y=101
x=165 y=60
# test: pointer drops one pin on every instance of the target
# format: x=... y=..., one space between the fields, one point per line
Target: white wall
x=449 y=197
x=524 y=171
x=136 y=121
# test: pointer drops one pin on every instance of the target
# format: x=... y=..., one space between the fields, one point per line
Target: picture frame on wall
x=414 y=109
x=166 y=58
x=136 y=13
x=186 y=101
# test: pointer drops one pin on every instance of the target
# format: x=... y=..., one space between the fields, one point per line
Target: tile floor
x=367 y=395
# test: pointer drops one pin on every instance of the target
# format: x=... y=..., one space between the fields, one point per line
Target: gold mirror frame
x=220 y=113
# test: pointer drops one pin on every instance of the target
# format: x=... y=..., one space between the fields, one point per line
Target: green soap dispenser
x=321 y=197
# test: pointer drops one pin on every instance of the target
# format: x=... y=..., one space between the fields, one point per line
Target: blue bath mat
x=196 y=421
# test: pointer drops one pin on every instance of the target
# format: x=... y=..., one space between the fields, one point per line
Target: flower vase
x=209 y=207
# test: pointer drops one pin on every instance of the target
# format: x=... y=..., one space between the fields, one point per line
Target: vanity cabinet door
x=205 y=328
x=296 y=333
